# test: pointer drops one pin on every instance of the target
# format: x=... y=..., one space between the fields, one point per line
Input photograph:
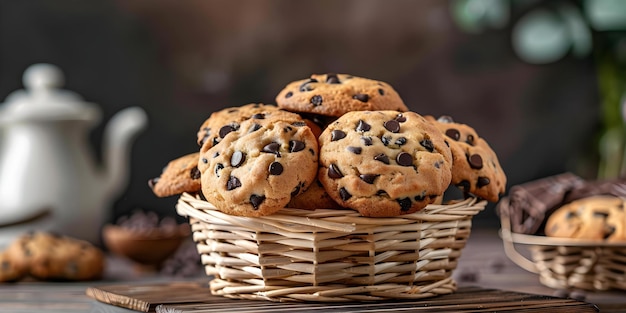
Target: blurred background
x=541 y=109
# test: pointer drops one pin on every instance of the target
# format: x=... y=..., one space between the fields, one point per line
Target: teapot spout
x=119 y=134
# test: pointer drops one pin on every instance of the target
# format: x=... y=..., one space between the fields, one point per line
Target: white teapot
x=49 y=178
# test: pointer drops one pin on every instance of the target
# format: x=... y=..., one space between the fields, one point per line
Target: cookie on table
x=384 y=163
x=178 y=176
x=475 y=166
x=337 y=94
x=595 y=217
x=49 y=256
x=257 y=168
x=10 y=269
x=314 y=198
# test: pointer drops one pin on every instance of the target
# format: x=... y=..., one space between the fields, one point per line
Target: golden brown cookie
x=595 y=217
x=384 y=163
x=223 y=121
x=10 y=269
x=48 y=256
x=178 y=176
x=258 y=167
x=314 y=198
x=337 y=94
x=475 y=166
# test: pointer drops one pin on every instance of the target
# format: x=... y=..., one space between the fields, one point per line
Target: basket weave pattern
x=590 y=268
x=564 y=263
x=330 y=255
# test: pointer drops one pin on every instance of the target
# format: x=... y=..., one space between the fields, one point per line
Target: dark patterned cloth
x=529 y=204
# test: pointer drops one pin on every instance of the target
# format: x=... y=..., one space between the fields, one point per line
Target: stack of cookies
x=332 y=141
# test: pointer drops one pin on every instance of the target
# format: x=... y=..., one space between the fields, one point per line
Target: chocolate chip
x=400 y=118
x=453 y=133
x=258 y=116
x=218 y=168
x=600 y=214
x=237 y=158
x=194 y=173
x=226 y=129
x=254 y=128
x=355 y=150
x=272 y=148
x=361 y=97
x=233 y=183
x=392 y=126
x=256 y=201
x=470 y=140
x=316 y=100
x=337 y=134
x=153 y=181
x=363 y=126
x=368 y=178
x=419 y=198
x=332 y=79
x=405 y=204
x=381 y=92
x=367 y=141
x=464 y=185
x=386 y=140
x=296 y=145
x=334 y=172
x=400 y=141
x=298 y=124
x=382 y=158
x=404 y=159
x=445 y=119
x=475 y=161
x=216 y=154
x=426 y=143
x=288 y=95
x=344 y=194
x=276 y=168
x=295 y=191
x=306 y=87
x=482 y=181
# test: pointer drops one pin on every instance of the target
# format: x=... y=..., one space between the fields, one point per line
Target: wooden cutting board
x=196 y=298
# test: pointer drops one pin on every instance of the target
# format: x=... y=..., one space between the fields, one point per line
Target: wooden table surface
x=483 y=264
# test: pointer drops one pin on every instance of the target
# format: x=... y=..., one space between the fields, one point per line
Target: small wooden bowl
x=148 y=249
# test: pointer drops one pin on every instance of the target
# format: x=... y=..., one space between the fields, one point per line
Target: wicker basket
x=564 y=263
x=330 y=255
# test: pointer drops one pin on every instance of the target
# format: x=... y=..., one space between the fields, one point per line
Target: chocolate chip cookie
x=214 y=128
x=258 y=167
x=384 y=163
x=314 y=198
x=48 y=256
x=595 y=217
x=178 y=176
x=10 y=269
x=475 y=166
x=337 y=94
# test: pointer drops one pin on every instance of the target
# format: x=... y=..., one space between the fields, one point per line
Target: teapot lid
x=44 y=100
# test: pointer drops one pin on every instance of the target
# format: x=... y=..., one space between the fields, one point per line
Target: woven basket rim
x=507 y=234
x=337 y=220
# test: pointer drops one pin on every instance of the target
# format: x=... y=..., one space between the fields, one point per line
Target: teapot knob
x=43 y=77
